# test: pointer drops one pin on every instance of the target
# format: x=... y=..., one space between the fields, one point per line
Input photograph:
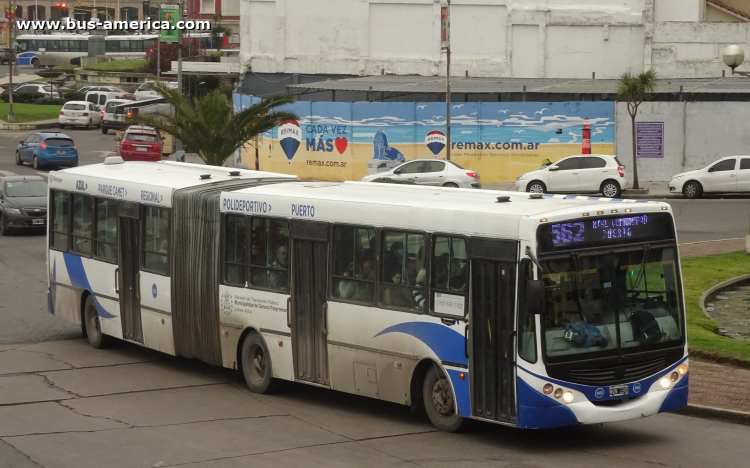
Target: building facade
x=491 y=38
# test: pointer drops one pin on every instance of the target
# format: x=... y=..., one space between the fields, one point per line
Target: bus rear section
x=610 y=333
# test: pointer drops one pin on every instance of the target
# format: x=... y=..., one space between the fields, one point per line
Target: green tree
x=217 y=31
x=207 y=125
x=635 y=89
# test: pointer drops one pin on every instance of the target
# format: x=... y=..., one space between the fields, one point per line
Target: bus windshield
x=605 y=304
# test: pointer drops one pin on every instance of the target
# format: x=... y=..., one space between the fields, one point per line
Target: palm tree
x=207 y=125
x=634 y=89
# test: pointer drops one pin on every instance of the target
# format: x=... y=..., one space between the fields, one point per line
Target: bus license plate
x=140 y=148
x=37 y=221
x=618 y=390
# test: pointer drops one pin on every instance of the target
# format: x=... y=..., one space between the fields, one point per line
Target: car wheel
x=18 y=158
x=35 y=163
x=105 y=130
x=35 y=62
x=450 y=185
x=611 y=189
x=88 y=125
x=437 y=394
x=536 y=187
x=3 y=228
x=256 y=364
x=62 y=126
x=91 y=324
x=692 y=189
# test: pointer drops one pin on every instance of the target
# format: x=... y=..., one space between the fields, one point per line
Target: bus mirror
x=534 y=297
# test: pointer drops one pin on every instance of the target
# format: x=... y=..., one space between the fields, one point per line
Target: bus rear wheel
x=91 y=324
x=256 y=364
x=439 y=402
x=35 y=63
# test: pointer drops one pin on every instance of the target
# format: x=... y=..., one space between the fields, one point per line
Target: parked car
x=113 y=89
x=730 y=174
x=146 y=90
x=586 y=173
x=430 y=172
x=44 y=148
x=111 y=118
x=79 y=114
x=140 y=143
x=4 y=55
x=23 y=203
x=45 y=89
x=100 y=98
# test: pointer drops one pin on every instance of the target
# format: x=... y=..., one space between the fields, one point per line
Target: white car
x=430 y=172
x=585 y=173
x=146 y=90
x=730 y=174
x=80 y=114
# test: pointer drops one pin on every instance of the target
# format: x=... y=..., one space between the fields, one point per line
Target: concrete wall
x=695 y=134
x=679 y=10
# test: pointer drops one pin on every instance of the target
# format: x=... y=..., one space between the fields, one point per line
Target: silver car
x=430 y=172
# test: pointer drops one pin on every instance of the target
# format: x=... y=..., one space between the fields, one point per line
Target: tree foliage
x=169 y=53
x=634 y=90
x=208 y=125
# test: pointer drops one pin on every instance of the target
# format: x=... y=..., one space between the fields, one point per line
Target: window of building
x=83 y=224
x=155 y=240
x=403 y=274
x=269 y=254
x=450 y=276
x=60 y=219
x=235 y=250
x=106 y=230
x=354 y=264
x=207 y=6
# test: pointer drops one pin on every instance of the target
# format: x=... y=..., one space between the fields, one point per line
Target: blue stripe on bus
x=79 y=280
x=461 y=390
x=536 y=411
x=447 y=344
x=677 y=398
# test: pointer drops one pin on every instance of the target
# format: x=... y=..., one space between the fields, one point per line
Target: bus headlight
x=682 y=370
x=664 y=382
x=674 y=376
x=568 y=397
x=547 y=389
x=558 y=393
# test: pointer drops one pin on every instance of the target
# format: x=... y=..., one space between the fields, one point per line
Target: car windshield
x=26 y=188
x=75 y=107
x=59 y=142
x=612 y=303
x=141 y=137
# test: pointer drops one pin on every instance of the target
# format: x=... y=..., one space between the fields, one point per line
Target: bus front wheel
x=256 y=364
x=35 y=63
x=439 y=402
x=91 y=324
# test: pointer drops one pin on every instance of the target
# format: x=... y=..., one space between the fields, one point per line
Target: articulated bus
x=528 y=310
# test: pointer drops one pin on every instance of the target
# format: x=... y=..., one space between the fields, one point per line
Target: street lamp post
x=733 y=57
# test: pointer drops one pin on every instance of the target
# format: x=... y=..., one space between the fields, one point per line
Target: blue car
x=47 y=148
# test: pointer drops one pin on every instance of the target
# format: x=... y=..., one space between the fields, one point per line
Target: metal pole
x=179 y=54
x=11 y=116
x=158 y=50
x=448 y=92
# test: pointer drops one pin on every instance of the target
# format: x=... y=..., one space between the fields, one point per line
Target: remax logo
x=290 y=136
x=81 y=185
x=435 y=141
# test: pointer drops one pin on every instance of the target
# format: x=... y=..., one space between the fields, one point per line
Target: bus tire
x=256 y=364
x=91 y=324
x=439 y=402
x=105 y=130
x=35 y=62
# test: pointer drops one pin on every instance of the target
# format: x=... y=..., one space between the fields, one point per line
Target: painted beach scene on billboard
x=346 y=141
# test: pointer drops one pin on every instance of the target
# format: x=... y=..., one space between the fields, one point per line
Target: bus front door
x=309 y=301
x=492 y=358
x=129 y=271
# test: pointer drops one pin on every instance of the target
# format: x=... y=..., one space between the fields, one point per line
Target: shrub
x=169 y=52
x=22 y=98
x=51 y=101
x=74 y=95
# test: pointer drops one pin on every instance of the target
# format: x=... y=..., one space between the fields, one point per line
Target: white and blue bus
x=527 y=310
x=59 y=49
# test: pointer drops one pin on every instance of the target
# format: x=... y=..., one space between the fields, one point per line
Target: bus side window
x=235 y=250
x=60 y=220
x=449 y=268
x=354 y=267
x=106 y=230
x=269 y=254
x=526 y=323
x=402 y=273
x=156 y=240
x=83 y=224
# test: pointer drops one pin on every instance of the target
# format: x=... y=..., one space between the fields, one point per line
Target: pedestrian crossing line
x=8 y=173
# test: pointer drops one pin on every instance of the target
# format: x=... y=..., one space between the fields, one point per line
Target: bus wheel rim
x=442 y=398
x=257 y=363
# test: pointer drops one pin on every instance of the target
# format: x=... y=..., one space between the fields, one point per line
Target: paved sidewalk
x=719 y=386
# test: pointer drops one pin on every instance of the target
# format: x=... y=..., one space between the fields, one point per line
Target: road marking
x=43 y=174
x=8 y=173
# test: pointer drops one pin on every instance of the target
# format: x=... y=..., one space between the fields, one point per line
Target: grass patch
x=699 y=274
x=30 y=112
x=135 y=66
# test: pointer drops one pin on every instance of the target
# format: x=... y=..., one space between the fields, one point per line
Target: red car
x=140 y=143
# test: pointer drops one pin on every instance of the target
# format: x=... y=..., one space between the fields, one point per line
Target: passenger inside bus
x=279 y=279
x=397 y=296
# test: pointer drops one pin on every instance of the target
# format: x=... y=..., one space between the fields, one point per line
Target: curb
x=713 y=289
x=28 y=126
x=708 y=412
